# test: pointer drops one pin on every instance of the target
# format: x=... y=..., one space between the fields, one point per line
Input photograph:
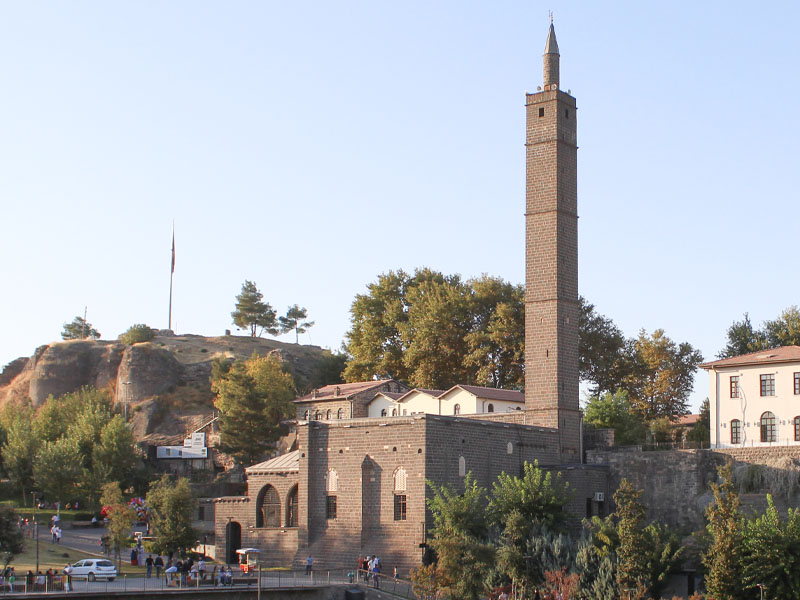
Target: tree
x=57 y=468
x=743 y=338
x=136 y=334
x=785 y=330
x=632 y=552
x=253 y=398
x=701 y=431
x=539 y=496
x=663 y=375
x=723 y=559
x=10 y=535
x=172 y=506
x=294 y=321
x=460 y=533
x=603 y=352
x=614 y=411
x=253 y=313
x=121 y=516
x=115 y=451
x=328 y=370
x=20 y=447
x=79 y=329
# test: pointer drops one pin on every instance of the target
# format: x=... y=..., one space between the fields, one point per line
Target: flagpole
x=171 y=275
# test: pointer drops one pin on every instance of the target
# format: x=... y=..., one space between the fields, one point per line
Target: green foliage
x=121 y=516
x=632 y=551
x=136 y=334
x=435 y=330
x=743 y=339
x=701 y=431
x=56 y=468
x=723 y=559
x=114 y=451
x=10 y=535
x=604 y=359
x=661 y=430
x=79 y=329
x=597 y=572
x=20 y=447
x=665 y=552
x=172 y=506
x=662 y=376
x=295 y=321
x=460 y=541
x=614 y=411
x=328 y=370
x=538 y=497
x=254 y=397
x=252 y=313
x=771 y=553
x=785 y=330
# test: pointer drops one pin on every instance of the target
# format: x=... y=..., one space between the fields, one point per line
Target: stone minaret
x=551 y=258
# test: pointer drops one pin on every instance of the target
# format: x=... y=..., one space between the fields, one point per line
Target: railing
x=175 y=582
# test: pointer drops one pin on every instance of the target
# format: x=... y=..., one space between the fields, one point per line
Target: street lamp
x=761 y=587
x=36 y=530
x=126 y=384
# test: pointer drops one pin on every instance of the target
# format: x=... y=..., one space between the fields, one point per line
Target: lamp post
x=127 y=388
x=761 y=587
x=35 y=530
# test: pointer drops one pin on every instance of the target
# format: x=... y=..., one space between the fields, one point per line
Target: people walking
x=309 y=564
x=148 y=563
x=158 y=563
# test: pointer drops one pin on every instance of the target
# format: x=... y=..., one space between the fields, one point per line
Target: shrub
x=136 y=334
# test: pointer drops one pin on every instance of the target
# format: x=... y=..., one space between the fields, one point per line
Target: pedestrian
x=309 y=564
x=169 y=574
x=148 y=562
x=360 y=566
x=12 y=579
x=134 y=557
x=376 y=572
x=58 y=534
x=159 y=564
x=68 y=577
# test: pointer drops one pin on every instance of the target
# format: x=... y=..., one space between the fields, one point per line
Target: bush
x=136 y=334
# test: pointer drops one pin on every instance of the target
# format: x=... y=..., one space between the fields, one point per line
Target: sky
x=310 y=146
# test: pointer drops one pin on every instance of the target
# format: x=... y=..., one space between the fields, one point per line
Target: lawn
x=56 y=557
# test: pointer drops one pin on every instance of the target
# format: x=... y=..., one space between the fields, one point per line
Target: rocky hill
x=164 y=383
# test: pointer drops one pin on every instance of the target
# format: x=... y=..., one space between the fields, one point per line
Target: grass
x=55 y=557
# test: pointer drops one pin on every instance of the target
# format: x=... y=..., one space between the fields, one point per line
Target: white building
x=755 y=398
x=458 y=400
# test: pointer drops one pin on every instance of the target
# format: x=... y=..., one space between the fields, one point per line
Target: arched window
x=462 y=467
x=768 y=433
x=340 y=414
x=332 y=485
x=318 y=416
x=736 y=431
x=306 y=414
x=394 y=412
x=457 y=409
x=383 y=412
x=509 y=448
x=269 y=508
x=291 y=508
x=400 y=498
x=796 y=423
x=490 y=408
x=400 y=479
x=328 y=415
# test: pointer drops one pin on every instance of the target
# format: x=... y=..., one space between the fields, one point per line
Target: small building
x=344 y=400
x=458 y=400
x=755 y=398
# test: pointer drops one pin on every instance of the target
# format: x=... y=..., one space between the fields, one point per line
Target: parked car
x=94 y=569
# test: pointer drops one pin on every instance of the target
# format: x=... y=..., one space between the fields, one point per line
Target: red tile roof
x=687 y=420
x=346 y=390
x=762 y=357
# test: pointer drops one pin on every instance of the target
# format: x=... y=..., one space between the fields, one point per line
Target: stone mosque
x=355 y=484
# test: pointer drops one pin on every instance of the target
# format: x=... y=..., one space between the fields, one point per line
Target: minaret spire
x=551 y=59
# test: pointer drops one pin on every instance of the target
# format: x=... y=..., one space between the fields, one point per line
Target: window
x=328 y=415
x=796 y=423
x=734 y=386
x=541 y=112
x=201 y=513
x=269 y=508
x=462 y=467
x=797 y=384
x=340 y=414
x=330 y=507
x=332 y=485
x=405 y=412
x=306 y=415
x=457 y=409
x=736 y=431
x=399 y=507
x=400 y=480
x=394 y=412
x=490 y=408
x=768 y=385
x=291 y=508
x=768 y=433
x=383 y=412
x=318 y=416
x=509 y=448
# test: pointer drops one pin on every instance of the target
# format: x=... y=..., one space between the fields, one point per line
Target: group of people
x=187 y=571
x=370 y=568
x=39 y=582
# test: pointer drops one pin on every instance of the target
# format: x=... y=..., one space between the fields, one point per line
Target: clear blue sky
x=310 y=146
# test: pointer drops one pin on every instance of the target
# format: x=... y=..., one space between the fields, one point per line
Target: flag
x=173 y=252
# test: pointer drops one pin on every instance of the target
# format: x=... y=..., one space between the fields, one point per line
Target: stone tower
x=551 y=258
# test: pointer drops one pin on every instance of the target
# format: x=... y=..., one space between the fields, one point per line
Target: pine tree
x=632 y=553
x=723 y=559
x=172 y=511
x=79 y=329
x=253 y=313
x=294 y=321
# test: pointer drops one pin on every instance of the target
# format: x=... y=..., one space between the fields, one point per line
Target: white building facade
x=755 y=399
x=458 y=400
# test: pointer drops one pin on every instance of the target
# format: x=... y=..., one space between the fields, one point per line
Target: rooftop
x=781 y=354
x=342 y=390
x=285 y=463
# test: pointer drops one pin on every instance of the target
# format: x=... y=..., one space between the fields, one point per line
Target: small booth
x=248 y=559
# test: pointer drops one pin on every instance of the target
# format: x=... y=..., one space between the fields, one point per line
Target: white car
x=94 y=569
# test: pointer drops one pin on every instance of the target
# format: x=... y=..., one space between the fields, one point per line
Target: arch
x=332 y=484
x=768 y=429
x=490 y=408
x=233 y=541
x=796 y=423
x=340 y=413
x=736 y=431
x=328 y=415
x=456 y=409
x=509 y=448
x=291 y=507
x=318 y=416
x=462 y=467
x=400 y=479
x=306 y=415
x=394 y=412
x=268 y=507
x=383 y=412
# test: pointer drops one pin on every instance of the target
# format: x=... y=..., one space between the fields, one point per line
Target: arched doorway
x=233 y=541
